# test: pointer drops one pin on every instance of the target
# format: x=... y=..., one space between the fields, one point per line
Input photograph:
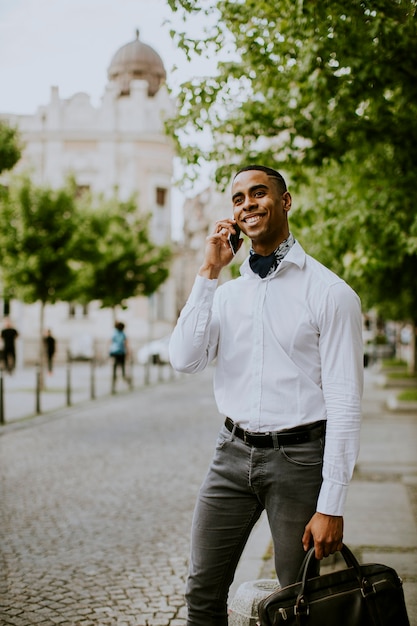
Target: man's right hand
x=218 y=253
x=326 y=531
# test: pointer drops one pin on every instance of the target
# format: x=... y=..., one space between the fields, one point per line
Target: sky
x=70 y=43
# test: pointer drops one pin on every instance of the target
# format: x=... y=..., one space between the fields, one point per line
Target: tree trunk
x=413 y=349
x=41 y=353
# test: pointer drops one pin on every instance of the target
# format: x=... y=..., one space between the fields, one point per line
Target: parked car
x=155 y=352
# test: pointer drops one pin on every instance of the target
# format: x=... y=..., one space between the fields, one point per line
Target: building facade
x=119 y=146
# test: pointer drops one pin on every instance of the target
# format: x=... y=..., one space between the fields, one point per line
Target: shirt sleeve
x=193 y=343
x=341 y=351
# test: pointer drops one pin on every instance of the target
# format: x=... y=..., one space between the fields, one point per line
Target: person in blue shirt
x=286 y=338
x=119 y=350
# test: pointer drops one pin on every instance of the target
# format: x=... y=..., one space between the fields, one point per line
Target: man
x=50 y=348
x=9 y=336
x=287 y=339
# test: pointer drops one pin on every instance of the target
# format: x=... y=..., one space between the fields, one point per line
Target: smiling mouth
x=252 y=219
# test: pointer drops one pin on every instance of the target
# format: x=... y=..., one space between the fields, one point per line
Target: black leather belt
x=300 y=434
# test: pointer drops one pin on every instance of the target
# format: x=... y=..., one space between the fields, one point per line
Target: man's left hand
x=326 y=532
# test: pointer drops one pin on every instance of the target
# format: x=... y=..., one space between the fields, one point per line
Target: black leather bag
x=359 y=595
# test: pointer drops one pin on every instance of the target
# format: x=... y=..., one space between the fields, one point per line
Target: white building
x=119 y=145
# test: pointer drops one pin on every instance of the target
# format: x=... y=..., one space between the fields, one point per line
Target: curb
x=393 y=404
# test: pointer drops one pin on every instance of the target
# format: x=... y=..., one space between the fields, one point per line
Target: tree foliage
x=326 y=91
x=56 y=246
x=10 y=146
x=123 y=261
x=363 y=234
x=315 y=79
x=37 y=238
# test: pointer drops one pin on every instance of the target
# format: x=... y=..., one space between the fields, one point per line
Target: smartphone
x=234 y=239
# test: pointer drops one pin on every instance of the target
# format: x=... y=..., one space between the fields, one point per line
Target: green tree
x=56 y=246
x=367 y=235
x=315 y=79
x=123 y=262
x=328 y=92
x=10 y=146
x=37 y=238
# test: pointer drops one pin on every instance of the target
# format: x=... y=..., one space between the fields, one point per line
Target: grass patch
x=404 y=375
x=409 y=395
x=394 y=363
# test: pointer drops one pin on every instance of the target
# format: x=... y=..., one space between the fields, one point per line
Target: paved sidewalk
x=381 y=512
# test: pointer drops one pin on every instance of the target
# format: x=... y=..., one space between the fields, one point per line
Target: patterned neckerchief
x=265 y=265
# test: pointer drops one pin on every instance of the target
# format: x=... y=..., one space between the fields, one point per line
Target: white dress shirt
x=289 y=352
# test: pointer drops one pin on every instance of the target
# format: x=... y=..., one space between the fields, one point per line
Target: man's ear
x=286 y=200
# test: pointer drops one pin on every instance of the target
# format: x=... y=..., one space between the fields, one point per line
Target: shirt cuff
x=203 y=290
x=332 y=498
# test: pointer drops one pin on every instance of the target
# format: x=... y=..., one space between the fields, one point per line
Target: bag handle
x=310 y=562
x=306 y=572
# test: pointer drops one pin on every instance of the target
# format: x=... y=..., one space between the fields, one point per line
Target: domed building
x=137 y=61
x=119 y=145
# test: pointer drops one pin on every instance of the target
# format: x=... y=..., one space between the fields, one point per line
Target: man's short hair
x=268 y=171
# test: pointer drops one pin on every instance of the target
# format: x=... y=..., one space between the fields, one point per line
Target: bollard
x=68 y=381
x=147 y=372
x=1 y=397
x=243 y=610
x=38 y=390
x=130 y=375
x=93 y=379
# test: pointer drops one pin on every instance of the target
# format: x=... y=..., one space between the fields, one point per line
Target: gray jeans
x=241 y=482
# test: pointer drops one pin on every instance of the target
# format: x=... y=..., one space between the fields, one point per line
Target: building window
x=161 y=196
x=77 y=311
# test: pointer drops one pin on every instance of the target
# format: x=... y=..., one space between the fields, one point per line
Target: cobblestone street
x=97 y=500
x=96 y=506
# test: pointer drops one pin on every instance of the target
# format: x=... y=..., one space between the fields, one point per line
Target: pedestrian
x=118 y=350
x=50 y=349
x=9 y=335
x=287 y=339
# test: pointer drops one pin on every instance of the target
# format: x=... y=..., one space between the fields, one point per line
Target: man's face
x=260 y=209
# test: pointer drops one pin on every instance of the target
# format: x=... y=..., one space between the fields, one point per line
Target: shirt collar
x=294 y=253
x=282 y=249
